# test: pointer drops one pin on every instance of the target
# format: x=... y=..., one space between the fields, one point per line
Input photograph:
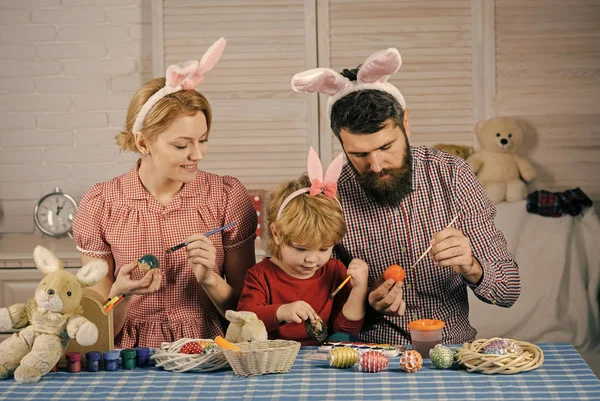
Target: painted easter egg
x=342 y=358
x=193 y=347
x=147 y=262
x=442 y=357
x=395 y=272
x=502 y=346
x=210 y=348
x=372 y=362
x=317 y=330
x=411 y=361
x=205 y=343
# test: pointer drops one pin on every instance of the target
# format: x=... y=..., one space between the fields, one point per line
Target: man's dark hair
x=366 y=112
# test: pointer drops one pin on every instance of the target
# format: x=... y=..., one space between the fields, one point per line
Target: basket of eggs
x=190 y=355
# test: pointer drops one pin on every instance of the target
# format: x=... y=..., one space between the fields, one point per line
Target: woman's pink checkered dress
x=120 y=219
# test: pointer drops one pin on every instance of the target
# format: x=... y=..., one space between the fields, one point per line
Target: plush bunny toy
x=244 y=326
x=50 y=319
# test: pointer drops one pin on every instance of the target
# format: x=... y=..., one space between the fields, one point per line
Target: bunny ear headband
x=373 y=74
x=319 y=185
x=182 y=76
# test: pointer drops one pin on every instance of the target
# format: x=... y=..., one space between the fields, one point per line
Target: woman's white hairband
x=372 y=74
x=319 y=185
x=182 y=76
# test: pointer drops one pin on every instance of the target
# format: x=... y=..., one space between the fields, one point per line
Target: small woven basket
x=471 y=356
x=168 y=357
x=263 y=357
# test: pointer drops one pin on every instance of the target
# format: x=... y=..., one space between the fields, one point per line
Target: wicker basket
x=168 y=357
x=263 y=357
x=471 y=356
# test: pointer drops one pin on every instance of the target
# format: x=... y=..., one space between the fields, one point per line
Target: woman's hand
x=124 y=284
x=202 y=257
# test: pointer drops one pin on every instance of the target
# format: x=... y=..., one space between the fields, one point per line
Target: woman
x=162 y=201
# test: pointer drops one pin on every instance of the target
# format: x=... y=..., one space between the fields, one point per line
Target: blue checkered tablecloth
x=564 y=376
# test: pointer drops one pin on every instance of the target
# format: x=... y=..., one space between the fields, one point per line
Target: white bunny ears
x=319 y=185
x=373 y=74
x=182 y=76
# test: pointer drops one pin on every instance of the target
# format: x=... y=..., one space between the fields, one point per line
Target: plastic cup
x=425 y=334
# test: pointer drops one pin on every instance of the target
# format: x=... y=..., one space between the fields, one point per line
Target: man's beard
x=392 y=190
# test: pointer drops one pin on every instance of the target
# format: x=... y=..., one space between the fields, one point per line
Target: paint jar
x=151 y=362
x=425 y=334
x=142 y=355
x=128 y=356
x=93 y=361
x=73 y=362
x=111 y=361
x=54 y=368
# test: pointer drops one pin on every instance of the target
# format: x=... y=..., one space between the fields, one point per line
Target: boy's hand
x=297 y=312
x=360 y=274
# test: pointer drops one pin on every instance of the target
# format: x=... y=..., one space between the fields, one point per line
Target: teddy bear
x=48 y=320
x=244 y=326
x=456 y=150
x=500 y=170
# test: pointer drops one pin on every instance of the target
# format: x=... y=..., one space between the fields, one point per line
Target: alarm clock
x=54 y=213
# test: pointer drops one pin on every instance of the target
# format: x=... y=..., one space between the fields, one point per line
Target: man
x=399 y=200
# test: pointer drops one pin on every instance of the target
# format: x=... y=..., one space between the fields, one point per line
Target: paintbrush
x=112 y=302
x=340 y=286
x=208 y=234
x=429 y=249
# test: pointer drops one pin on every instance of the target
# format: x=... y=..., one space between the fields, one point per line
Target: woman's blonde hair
x=162 y=115
x=310 y=221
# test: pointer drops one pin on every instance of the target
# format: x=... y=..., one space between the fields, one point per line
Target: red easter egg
x=191 y=348
x=373 y=362
x=395 y=272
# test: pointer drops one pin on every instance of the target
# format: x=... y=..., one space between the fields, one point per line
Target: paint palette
x=388 y=350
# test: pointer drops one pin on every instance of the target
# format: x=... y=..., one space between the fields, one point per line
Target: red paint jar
x=73 y=361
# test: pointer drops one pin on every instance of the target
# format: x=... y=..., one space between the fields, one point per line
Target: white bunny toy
x=244 y=327
x=49 y=320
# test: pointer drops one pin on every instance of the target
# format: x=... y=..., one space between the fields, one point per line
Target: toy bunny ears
x=319 y=185
x=182 y=76
x=373 y=74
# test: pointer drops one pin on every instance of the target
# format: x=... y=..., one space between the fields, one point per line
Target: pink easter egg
x=372 y=362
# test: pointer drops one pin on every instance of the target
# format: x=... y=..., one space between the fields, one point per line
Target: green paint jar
x=128 y=358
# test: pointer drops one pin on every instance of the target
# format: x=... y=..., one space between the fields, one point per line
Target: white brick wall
x=68 y=69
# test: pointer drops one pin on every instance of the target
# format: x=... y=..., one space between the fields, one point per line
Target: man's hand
x=386 y=297
x=450 y=247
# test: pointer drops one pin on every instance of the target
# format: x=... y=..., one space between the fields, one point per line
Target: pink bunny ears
x=373 y=74
x=182 y=76
x=319 y=185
